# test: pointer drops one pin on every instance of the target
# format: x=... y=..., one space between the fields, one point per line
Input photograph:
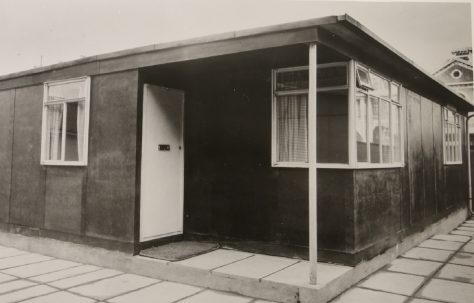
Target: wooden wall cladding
x=28 y=176
x=7 y=109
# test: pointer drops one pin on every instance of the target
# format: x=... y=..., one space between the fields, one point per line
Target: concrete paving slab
x=467 y=228
x=215 y=296
x=455 y=238
x=469 y=247
x=112 y=287
x=257 y=266
x=430 y=254
x=65 y=273
x=463 y=233
x=298 y=274
x=458 y=273
x=35 y=269
x=398 y=283
x=15 y=285
x=415 y=267
x=5 y=278
x=10 y=252
x=84 y=278
x=22 y=260
x=263 y=301
x=60 y=297
x=215 y=259
x=27 y=293
x=463 y=258
x=356 y=295
x=164 y=292
x=438 y=244
x=450 y=291
x=422 y=301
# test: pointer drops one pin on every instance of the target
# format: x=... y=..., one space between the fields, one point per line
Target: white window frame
x=86 y=99
x=275 y=94
x=368 y=92
x=352 y=67
x=458 y=137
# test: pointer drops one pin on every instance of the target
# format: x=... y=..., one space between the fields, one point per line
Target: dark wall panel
x=438 y=158
x=110 y=202
x=428 y=158
x=415 y=157
x=64 y=196
x=335 y=205
x=28 y=178
x=377 y=197
x=7 y=99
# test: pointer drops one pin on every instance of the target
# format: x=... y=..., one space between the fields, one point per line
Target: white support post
x=312 y=185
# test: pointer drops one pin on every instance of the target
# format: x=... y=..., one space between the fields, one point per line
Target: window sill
x=379 y=165
x=452 y=163
x=340 y=165
x=63 y=163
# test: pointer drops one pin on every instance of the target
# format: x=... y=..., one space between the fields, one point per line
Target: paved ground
x=440 y=269
x=34 y=278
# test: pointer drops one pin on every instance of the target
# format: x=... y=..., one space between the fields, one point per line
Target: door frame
x=138 y=235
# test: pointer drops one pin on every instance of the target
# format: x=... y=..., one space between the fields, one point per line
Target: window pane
x=395 y=91
x=332 y=76
x=374 y=130
x=292 y=80
x=363 y=78
x=54 y=131
x=361 y=127
x=292 y=128
x=396 y=117
x=385 y=132
x=74 y=131
x=66 y=91
x=380 y=86
x=332 y=127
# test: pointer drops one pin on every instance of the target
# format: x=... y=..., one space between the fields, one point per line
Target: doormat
x=178 y=251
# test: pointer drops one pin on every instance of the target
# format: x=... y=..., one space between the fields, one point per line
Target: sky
x=37 y=33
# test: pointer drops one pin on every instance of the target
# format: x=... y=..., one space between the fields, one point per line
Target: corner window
x=452 y=137
x=65 y=122
x=290 y=115
x=378 y=119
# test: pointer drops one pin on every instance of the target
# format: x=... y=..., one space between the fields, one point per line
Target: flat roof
x=343 y=33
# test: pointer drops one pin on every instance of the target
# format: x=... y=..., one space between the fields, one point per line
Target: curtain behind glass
x=54 y=130
x=292 y=128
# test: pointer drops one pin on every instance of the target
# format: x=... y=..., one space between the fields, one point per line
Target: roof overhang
x=342 y=33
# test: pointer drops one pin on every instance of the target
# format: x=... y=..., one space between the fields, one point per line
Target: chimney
x=463 y=54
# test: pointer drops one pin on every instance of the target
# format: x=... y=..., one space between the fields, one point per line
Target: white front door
x=162 y=169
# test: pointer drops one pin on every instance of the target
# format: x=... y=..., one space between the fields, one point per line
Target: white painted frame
x=368 y=164
x=458 y=137
x=275 y=94
x=86 y=100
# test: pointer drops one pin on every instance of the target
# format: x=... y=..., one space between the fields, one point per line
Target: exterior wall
x=393 y=203
x=66 y=202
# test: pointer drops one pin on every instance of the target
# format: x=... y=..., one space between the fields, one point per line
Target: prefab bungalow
x=239 y=138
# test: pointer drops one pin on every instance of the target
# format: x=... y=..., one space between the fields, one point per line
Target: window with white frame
x=378 y=119
x=290 y=115
x=65 y=122
x=452 y=137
